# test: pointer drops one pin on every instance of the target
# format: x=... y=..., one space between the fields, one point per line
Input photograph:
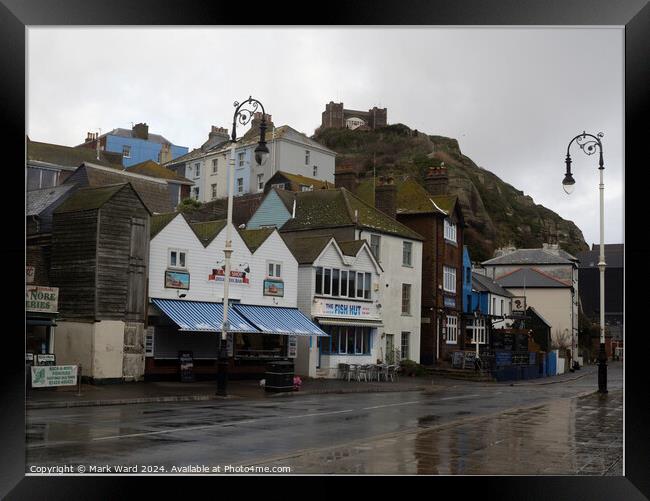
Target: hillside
x=497 y=214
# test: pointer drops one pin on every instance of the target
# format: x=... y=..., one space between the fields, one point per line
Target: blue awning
x=279 y=320
x=202 y=316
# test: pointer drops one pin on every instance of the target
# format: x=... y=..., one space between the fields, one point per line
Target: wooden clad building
x=100 y=249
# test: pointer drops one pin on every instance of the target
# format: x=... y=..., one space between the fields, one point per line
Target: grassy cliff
x=496 y=213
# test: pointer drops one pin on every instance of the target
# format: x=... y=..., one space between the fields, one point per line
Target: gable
x=271 y=212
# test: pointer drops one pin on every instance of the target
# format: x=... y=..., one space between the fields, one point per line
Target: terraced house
x=394 y=294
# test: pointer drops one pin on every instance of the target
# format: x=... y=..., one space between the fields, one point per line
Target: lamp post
x=243 y=114
x=588 y=144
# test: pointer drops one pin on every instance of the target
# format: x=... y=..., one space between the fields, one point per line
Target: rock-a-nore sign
x=44 y=376
x=41 y=299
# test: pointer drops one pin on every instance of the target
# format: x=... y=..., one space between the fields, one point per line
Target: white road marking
x=391 y=405
x=460 y=396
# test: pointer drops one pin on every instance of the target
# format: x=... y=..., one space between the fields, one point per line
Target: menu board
x=187 y=366
x=292 y=348
x=470 y=356
x=457 y=359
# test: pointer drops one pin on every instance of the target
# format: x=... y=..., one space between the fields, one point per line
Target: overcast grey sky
x=513 y=97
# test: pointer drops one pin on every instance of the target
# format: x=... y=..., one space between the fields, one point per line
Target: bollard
x=78 y=380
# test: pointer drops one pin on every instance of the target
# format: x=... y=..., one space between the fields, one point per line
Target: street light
x=588 y=144
x=243 y=114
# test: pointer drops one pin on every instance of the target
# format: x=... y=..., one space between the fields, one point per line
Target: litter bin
x=279 y=376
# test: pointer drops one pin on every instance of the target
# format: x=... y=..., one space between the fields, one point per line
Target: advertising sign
x=450 y=302
x=519 y=304
x=274 y=288
x=292 y=348
x=177 y=280
x=43 y=299
x=30 y=271
x=236 y=277
x=45 y=359
x=186 y=361
x=44 y=376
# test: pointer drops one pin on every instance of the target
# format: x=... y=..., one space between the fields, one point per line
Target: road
x=457 y=427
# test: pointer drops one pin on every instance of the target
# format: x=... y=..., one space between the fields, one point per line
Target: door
x=390 y=348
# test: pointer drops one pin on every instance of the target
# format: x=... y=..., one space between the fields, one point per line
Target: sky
x=513 y=97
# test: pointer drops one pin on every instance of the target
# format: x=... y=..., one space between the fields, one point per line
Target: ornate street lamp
x=588 y=144
x=243 y=114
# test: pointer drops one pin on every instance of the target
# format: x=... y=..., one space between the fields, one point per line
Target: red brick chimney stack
x=386 y=196
x=437 y=180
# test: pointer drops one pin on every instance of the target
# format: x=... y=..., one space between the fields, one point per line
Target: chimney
x=218 y=132
x=437 y=180
x=141 y=131
x=257 y=119
x=386 y=196
x=90 y=136
x=347 y=178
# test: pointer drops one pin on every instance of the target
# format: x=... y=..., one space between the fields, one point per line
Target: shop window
x=347 y=341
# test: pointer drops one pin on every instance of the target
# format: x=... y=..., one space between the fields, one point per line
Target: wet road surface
x=458 y=427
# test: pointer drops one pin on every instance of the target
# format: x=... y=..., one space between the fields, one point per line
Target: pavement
x=170 y=391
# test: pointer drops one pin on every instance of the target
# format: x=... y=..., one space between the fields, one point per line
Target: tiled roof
x=338 y=207
x=614 y=256
x=243 y=209
x=191 y=155
x=159 y=221
x=66 y=156
x=351 y=247
x=154 y=169
x=154 y=138
x=306 y=249
x=252 y=136
x=287 y=198
x=412 y=197
x=483 y=283
x=529 y=277
x=533 y=256
x=255 y=238
x=297 y=180
x=207 y=231
x=89 y=198
x=153 y=192
x=39 y=200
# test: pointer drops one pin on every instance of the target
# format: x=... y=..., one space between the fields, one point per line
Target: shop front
x=352 y=327
x=41 y=308
x=258 y=335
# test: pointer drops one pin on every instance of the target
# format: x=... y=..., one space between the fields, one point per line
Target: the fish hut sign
x=324 y=307
x=42 y=299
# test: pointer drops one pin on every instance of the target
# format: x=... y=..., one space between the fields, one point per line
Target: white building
x=186 y=281
x=289 y=151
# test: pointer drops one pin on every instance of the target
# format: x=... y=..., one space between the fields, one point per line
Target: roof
x=412 y=197
x=254 y=238
x=159 y=221
x=539 y=315
x=483 y=283
x=69 y=157
x=283 y=132
x=338 y=207
x=89 y=198
x=297 y=180
x=190 y=155
x=306 y=249
x=207 y=231
x=614 y=257
x=533 y=256
x=529 y=278
x=39 y=200
x=154 y=169
x=153 y=192
x=154 y=138
x=243 y=208
x=287 y=198
x=351 y=247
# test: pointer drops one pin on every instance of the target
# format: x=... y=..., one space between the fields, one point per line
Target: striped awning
x=202 y=316
x=349 y=322
x=279 y=320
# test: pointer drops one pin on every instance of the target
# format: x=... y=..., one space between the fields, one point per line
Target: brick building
x=337 y=117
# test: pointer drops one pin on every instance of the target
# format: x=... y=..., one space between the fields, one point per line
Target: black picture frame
x=16 y=15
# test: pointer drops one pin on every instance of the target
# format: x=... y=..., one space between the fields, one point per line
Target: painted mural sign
x=274 y=288
x=44 y=376
x=43 y=299
x=177 y=280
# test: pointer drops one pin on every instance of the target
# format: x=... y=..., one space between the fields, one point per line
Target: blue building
x=136 y=145
x=467 y=281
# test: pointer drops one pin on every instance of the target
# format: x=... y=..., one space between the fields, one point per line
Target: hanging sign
x=236 y=277
x=519 y=304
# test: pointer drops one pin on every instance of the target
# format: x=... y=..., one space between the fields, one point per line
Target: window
x=197 y=170
x=240 y=185
x=177 y=258
x=306 y=157
x=126 y=151
x=215 y=166
x=405 y=345
x=502 y=310
x=449 y=279
x=195 y=191
x=304 y=187
x=452 y=329
x=327 y=281
x=260 y=182
x=479 y=334
x=214 y=191
x=319 y=280
x=352 y=284
x=336 y=282
x=375 y=243
x=344 y=283
x=407 y=253
x=274 y=269
x=366 y=286
x=282 y=186
x=450 y=231
x=315 y=170
x=406 y=299
x=494 y=306
x=359 y=284
x=346 y=340
x=241 y=156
